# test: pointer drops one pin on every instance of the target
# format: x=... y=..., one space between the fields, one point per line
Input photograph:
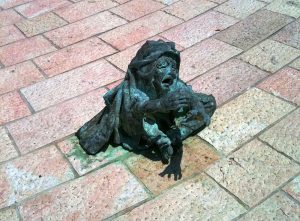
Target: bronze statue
x=152 y=107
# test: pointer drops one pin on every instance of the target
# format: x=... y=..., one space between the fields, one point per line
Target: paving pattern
x=59 y=57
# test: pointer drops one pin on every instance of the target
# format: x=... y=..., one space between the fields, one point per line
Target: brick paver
x=17 y=76
x=7 y=149
x=296 y=64
x=205 y=56
x=9 y=17
x=228 y=80
x=84 y=9
x=188 y=9
x=240 y=9
x=71 y=84
x=290 y=8
x=199 y=28
x=270 y=55
x=31 y=174
x=196 y=157
x=284 y=136
x=137 y=8
x=40 y=24
x=9 y=34
x=278 y=207
x=140 y=29
x=59 y=57
x=242 y=118
x=12 y=107
x=38 y=7
x=84 y=163
x=11 y=3
x=24 y=50
x=293 y=188
x=9 y=214
x=253 y=167
x=285 y=84
x=56 y=122
x=254 y=28
x=85 y=28
x=197 y=199
x=73 y=56
x=86 y=197
x=290 y=34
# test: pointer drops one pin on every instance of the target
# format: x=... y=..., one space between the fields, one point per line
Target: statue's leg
x=155 y=136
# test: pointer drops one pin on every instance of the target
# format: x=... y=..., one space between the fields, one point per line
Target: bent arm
x=149 y=106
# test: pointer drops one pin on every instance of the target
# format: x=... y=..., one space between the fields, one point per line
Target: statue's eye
x=162 y=64
x=174 y=66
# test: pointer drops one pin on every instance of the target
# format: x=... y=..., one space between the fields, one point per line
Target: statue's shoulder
x=138 y=94
x=181 y=85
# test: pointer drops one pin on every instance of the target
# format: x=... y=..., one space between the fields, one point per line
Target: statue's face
x=166 y=72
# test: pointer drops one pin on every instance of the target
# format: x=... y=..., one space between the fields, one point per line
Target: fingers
x=179 y=103
x=206 y=119
x=179 y=97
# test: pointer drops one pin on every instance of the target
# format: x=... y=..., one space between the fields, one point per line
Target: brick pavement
x=57 y=59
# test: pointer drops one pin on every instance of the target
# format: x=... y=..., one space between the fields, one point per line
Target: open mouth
x=167 y=81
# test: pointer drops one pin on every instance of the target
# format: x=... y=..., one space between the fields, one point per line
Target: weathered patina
x=152 y=107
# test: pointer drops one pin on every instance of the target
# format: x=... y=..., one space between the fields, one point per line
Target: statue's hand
x=200 y=112
x=206 y=119
x=174 y=101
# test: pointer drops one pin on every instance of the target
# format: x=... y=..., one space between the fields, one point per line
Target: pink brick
x=9 y=34
x=71 y=84
x=93 y=197
x=199 y=28
x=85 y=28
x=138 y=30
x=9 y=17
x=137 y=8
x=73 y=56
x=204 y=56
x=24 y=50
x=289 y=35
x=84 y=9
x=39 y=7
x=123 y=58
x=12 y=107
x=7 y=149
x=188 y=9
x=18 y=76
x=11 y=3
x=285 y=84
x=31 y=174
x=56 y=122
x=228 y=79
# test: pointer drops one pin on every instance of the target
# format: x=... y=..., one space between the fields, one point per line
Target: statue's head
x=165 y=72
x=158 y=62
